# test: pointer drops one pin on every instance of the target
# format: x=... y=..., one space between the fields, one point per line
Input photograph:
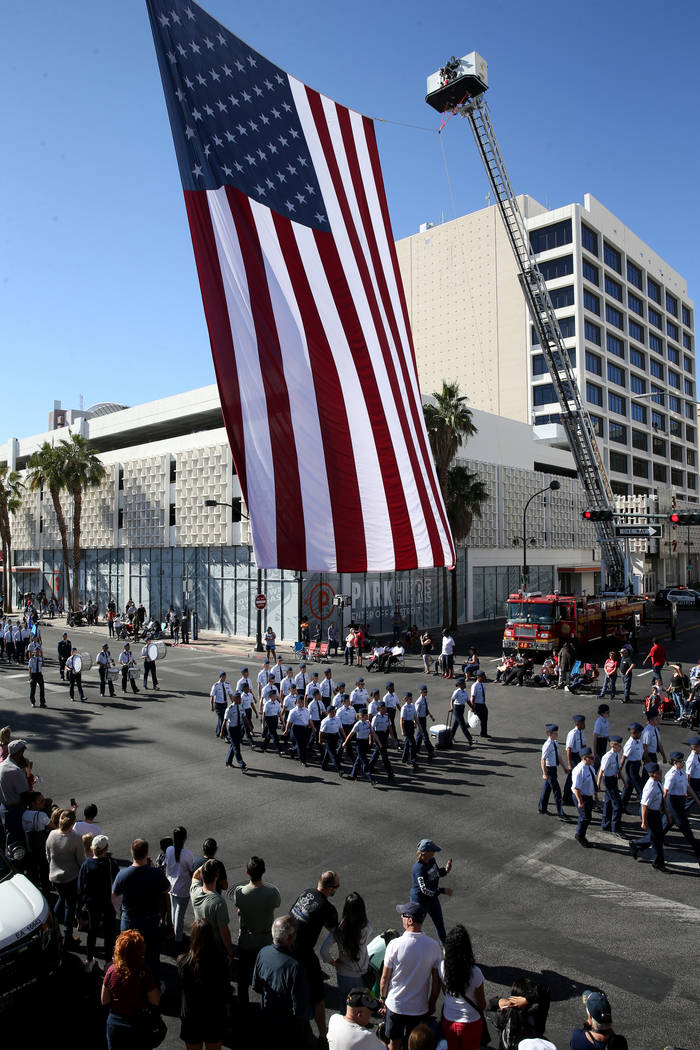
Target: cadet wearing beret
x=549 y=761
x=632 y=754
x=610 y=772
x=652 y=806
x=584 y=788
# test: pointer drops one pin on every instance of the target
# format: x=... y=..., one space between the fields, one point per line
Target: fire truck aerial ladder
x=459 y=88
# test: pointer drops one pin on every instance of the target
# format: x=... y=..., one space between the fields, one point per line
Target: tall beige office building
x=625 y=314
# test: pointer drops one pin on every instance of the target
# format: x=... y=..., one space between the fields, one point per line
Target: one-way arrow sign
x=649 y=532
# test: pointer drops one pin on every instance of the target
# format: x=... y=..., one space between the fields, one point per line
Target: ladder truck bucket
x=459 y=80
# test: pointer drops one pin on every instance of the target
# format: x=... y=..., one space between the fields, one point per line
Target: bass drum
x=82 y=662
x=156 y=650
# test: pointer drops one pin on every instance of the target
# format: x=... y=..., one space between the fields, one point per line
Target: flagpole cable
x=402 y=124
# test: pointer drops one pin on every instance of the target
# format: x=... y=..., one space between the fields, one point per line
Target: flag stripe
x=344 y=262
x=283 y=479
x=334 y=438
x=413 y=388
x=421 y=515
x=216 y=312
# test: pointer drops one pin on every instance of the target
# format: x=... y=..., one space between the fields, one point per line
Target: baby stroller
x=583 y=675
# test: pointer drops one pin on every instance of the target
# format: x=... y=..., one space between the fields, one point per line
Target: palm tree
x=465 y=496
x=11 y=487
x=82 y=470
x=449 y=422
x=47 y=470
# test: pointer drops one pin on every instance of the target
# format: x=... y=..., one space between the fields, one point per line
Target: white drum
x=82 y=662
x=113 y=673
x=133 y=672
x=156 y=650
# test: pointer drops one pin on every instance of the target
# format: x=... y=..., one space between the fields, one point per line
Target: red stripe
x=417 y=410
x=405 y=555
x=290 y=528
x=218 y=323
x=399 y=398
x=335 y=442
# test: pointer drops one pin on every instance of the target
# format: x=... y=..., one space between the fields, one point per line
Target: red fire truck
x=541 y=622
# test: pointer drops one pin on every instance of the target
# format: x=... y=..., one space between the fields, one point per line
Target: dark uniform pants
x=654 y=836
x=680 y=819
x=270 y=732
x=550 y=786
x=330 y=751
x=125 y=675
x=409 y=746
x=612 y=806
x=482 y=713
x=381 y=750
x=37 y=679
x=633 y=782
x=361 y=764
x=76 y=678
x=584 y=815
x=220 y=711
x=569 y=799
x=424 y=735
x=459 y=722
x=149 y=667
x=301 y=741
x=235 y=735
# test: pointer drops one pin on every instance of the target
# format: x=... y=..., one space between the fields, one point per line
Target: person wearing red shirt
x=657 y=655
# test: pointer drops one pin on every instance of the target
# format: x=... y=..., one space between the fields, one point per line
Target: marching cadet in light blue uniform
x=408 y=729
x=601 y=733
x=362 y=734
x=575 y=743
x=652 y=806
x=549 y=762
x=422 y=716
x=585 y=792
x=692 y=769
x=458 y=705
x=632 y=754
x=610 y=772
x=676 y=790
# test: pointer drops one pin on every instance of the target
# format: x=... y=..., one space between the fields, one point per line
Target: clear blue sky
x=98 y=290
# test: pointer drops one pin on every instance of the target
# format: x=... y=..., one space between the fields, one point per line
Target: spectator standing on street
x=350 y=1031
x=333 y=639
x=425 y=878
x=426 y=648
x=179 y=867
x=256 y=904
x=141 y=888
x=95 y=894
x=350 y=647
x=657 y=657
x=208 y=904
x=463 y=986
x=345 y=947
x=205 y=1004
x=626 y=669
x=611 y=667
x=447 y=655
x=282 y=982
x=128 y=989
x=410 y=981
x=597 y=1030
x=566 y=662
x=64 y=851
x=312 y=911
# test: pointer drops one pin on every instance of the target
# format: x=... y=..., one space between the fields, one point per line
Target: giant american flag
x=305 y=309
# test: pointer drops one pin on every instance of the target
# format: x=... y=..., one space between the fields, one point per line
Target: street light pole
x=552 y=487
x=259 y=648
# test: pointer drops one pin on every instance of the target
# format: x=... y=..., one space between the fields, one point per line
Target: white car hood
x=22 y=909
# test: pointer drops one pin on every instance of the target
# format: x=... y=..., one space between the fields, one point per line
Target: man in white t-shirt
x=447 y=654
x=351 y=1032
x=410 y=978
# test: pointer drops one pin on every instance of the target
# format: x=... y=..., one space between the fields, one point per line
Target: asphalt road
x=535 y=902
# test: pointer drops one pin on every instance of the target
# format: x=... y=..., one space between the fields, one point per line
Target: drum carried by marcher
x=156 y=651
x=82 y=662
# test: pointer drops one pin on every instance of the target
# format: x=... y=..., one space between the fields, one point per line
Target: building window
x=598 y=426
x=589 y=240
x=690 y=457
x=172 y=514
x=671 y=304
x=612 y=257
x=656 y=344
x=677 y=477
x=539 y=367
x=674 y=404
x=635 y=304
x=120 y=518
x=656 y=368
x=634 y=275
x=618 y=433
x=690 y=434
x=553 y=268
x=685 y=316
x=655 y=319
x=689 y=412
x=676 y=453
x=616 y=375
x=592 y=332
x=543 y=394
x=636 y=331
x=615 y=346
x=568 y=327
x=551 y=236
x=691 y=481
x=687 y=341
x=637 y=384
x=562 y=297
x=591 y=302
x=637 y=358
x=688 y=363
x=640 y=440
x=121 y=478
x=557 y=359
x=173 y=474
x=672 y=331
x=658 y=421
x=617 y=404
x=619 y=488
x=639 y=412
x=618 y=462
x=613 y=288
x=594 y=363
x=658 y=446
x=555 y=417
x=614 y=317
x=674 y=379
x=689 y=387
x=640 y=467
x=660 y=472
x=594 y=394
x=654 y=290
x=674 y=355
x=590 y=272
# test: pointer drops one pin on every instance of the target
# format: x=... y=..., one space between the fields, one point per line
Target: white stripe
x=256 y=430
x=411 y=394
x=378 y=533
x=315 y=496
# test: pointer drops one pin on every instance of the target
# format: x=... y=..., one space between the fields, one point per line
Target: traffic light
x=680 y=517
x=590 y=514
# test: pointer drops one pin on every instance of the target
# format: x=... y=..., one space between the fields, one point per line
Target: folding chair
x=312 y=651
x=322 y=652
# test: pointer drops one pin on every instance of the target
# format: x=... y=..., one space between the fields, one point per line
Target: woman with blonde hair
x=65 y=854
x=129 y=989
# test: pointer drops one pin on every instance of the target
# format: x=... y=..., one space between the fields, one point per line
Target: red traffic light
x=675 y=518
